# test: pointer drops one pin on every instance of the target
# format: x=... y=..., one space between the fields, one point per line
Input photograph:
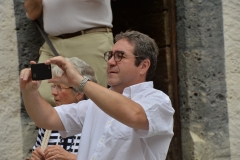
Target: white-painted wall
x=231 y=16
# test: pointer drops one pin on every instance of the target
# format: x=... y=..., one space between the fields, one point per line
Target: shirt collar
x=127 y=92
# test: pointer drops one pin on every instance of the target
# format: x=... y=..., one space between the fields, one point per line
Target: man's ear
x=79 y=96
x=145 y=64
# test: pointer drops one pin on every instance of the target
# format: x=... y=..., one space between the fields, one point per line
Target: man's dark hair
x=144 y=47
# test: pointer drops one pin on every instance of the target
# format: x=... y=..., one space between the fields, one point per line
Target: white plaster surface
x=10 y=126
x=231 y=15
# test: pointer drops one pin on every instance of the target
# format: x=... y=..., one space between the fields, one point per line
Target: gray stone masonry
x=202 y=85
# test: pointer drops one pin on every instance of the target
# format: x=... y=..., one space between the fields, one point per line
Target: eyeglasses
x=59 y=87
x=118 y=55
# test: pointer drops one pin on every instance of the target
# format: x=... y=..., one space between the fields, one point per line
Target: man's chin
x=58 y=103
x=111 y=83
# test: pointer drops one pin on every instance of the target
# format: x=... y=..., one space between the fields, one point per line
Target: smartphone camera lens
x=34 y=75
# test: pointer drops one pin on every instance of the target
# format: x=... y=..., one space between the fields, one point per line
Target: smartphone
x=41 y=71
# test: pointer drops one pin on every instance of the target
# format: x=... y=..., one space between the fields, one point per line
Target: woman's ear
x=145 y=64
x=79 y=96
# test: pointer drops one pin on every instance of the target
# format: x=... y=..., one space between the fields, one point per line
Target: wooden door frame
x=174 y=74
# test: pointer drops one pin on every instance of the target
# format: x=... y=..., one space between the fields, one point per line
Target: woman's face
x=65 y=95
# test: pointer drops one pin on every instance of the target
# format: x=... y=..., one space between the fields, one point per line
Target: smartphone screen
x=41 y=71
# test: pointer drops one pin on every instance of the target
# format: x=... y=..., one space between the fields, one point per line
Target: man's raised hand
x=70 y=76
x=26 y=82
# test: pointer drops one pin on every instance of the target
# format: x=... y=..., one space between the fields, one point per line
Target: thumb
x=56 y=80
x=36 y=84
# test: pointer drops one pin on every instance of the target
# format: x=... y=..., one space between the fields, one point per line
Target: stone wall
x=29 y=41
x=231 y=12
x=202 y=83
x=11 y=131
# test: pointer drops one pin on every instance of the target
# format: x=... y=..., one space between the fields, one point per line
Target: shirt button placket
x=102 y=140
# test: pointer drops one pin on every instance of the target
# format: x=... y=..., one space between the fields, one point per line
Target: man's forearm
x=41 y=112
x=34 y=105
x=34 y=8
x=117 y=106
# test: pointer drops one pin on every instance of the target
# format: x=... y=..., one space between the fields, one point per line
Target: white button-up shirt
x=104 y=138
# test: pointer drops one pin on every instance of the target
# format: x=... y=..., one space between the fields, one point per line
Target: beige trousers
x=89 y=47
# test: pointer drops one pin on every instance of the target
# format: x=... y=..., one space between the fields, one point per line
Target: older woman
x=62 y=148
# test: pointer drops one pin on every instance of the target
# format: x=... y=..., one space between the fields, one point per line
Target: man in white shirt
x=130 y=121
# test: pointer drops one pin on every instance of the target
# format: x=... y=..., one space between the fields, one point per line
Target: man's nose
x=111 y=61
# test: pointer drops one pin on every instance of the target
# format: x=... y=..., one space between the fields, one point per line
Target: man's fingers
x=58 y=60
x=32 y=62
x=25 y=74
x=55 y=80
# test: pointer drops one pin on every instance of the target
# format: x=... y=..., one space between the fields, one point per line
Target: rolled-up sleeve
x=159 y=112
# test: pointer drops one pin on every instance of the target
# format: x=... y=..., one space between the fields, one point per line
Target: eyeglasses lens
x=57 y=87
x=117 y=55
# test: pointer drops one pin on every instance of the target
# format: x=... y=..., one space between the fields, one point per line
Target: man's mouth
x=112 y=72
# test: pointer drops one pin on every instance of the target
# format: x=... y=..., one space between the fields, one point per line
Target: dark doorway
x=155 y=18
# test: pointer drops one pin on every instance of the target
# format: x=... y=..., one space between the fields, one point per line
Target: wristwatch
x=83 y=83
